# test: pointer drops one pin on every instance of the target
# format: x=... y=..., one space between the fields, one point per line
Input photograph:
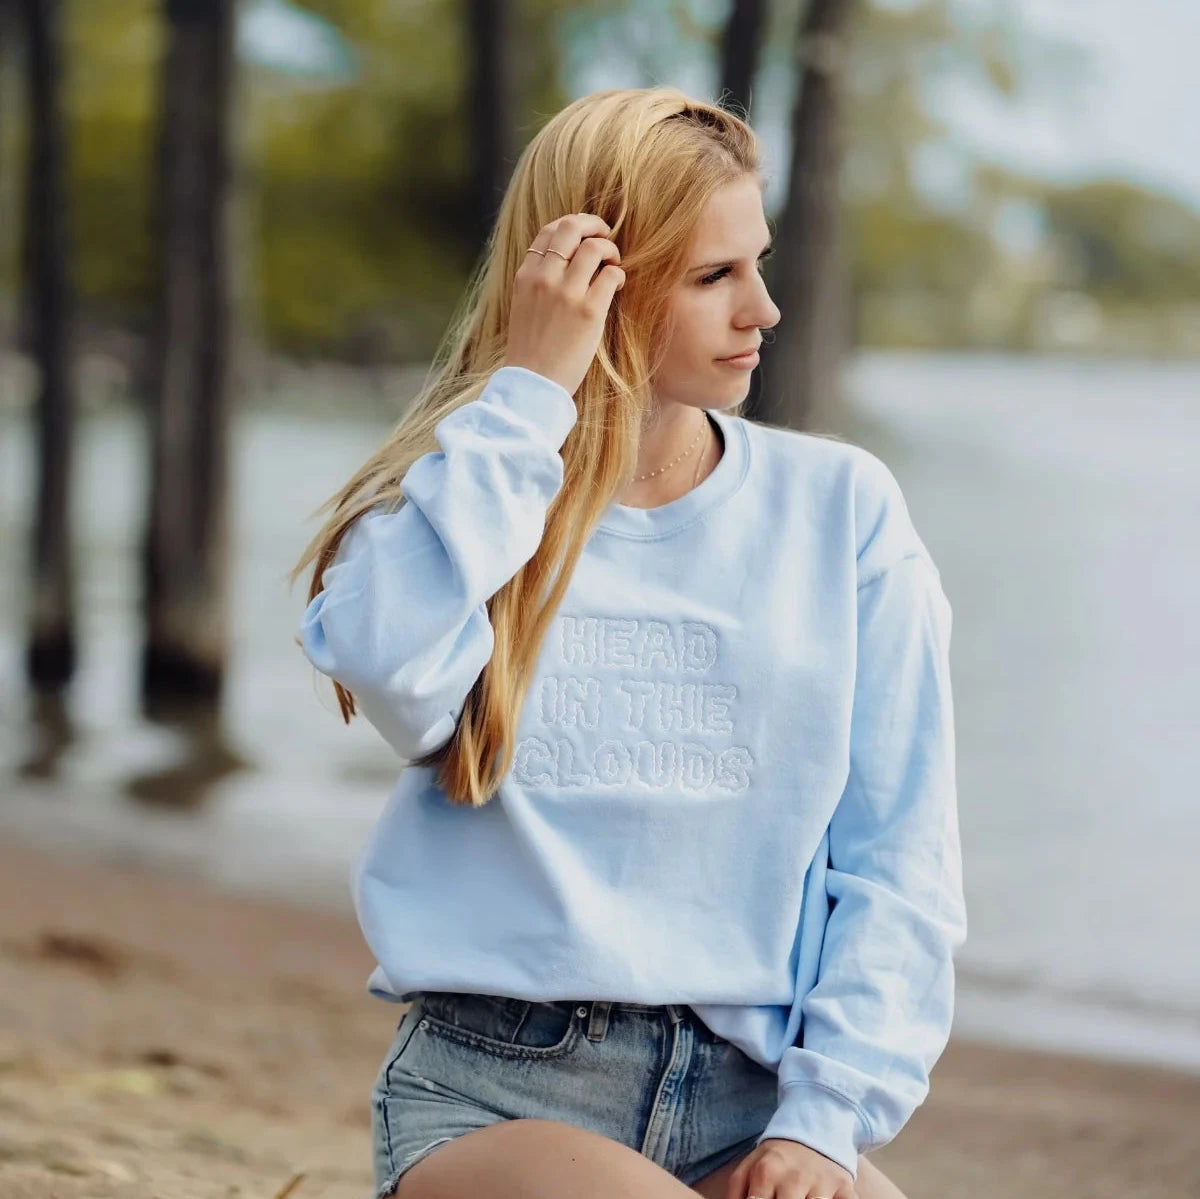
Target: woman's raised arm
x=401 y=621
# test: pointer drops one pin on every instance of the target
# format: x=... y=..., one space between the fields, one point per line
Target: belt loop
x=677 y=1012
x=597 y=1026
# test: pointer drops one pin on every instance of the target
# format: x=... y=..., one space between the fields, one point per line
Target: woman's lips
x=742 y=361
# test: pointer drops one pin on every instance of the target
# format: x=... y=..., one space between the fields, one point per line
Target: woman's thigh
x=536 y=1159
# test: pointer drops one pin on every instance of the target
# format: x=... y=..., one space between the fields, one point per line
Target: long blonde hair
x=645 y=160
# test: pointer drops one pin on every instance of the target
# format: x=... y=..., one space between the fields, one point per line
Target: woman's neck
x=680 y=478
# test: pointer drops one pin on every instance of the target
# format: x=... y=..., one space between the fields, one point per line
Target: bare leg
x=536 y=1159
x=873 y=1183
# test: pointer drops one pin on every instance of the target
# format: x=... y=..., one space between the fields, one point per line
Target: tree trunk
x=489 y=109
x=740 y=49
x=51 y=651
x=809 y=280
x=9 y=32
x=186 y=549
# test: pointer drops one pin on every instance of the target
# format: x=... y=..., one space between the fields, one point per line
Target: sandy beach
x=160 y=1039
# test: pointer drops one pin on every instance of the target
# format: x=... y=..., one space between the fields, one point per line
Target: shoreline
x=159 y=1037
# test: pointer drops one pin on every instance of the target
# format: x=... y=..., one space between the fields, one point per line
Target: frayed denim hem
x=411 y=1160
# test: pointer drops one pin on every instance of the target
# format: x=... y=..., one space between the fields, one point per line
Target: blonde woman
x=670 y=879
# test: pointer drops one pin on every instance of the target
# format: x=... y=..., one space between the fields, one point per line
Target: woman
x=672 y=878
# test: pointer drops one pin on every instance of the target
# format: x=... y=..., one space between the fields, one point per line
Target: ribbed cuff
x=821 y=1119
x=537 y=398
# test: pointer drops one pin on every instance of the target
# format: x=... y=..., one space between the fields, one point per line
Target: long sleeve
x=879 y=1015
x=402 y=620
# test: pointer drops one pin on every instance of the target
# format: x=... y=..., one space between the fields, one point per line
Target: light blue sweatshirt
x=734 y=782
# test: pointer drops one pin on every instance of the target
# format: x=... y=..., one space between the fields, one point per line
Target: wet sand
x=161 y=1039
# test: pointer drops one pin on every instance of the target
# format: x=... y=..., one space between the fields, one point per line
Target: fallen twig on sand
x=289 y=1186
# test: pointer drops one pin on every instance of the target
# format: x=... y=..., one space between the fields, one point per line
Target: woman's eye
x=718 y=275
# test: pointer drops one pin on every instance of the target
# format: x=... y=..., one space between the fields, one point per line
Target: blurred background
x=231 y=235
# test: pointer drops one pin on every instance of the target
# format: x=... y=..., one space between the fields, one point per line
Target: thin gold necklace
x=703 y=425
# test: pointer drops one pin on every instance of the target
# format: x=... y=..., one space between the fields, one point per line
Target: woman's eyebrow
x=727 y=261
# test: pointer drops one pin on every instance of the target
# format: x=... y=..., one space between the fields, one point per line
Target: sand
x=159 y=1039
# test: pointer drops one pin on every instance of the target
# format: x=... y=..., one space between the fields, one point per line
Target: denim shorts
x=653 y=1077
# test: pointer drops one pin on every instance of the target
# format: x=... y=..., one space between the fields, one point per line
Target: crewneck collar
x=726 y=477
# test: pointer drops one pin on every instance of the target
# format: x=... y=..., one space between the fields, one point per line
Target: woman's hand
x=558 y=309
x=783 y=1169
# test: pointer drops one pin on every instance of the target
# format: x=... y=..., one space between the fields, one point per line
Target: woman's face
x=720 y=303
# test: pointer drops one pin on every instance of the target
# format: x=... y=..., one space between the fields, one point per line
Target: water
x=1061 y=502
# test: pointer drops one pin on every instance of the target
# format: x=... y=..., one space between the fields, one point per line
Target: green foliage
x=351 y=229
x=350 y=203
x=931 y=270
x=355 y=192
x=1121 y=242
x=111 y=56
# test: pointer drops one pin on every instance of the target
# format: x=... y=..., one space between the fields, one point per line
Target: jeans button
x=581 y=1011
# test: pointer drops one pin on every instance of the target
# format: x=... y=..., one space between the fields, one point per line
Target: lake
x=1061 y=501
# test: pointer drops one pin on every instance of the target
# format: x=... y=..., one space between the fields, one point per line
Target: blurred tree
x=919 y=209
x=8 y=37
x=9 y=75
x=388 y=220
x=489 y=110
x=185 y=552
x=362 y=222
x=808 y=279
x=51 y=653
x=112 y=65
x=1118 y=265
x=1122 y=243
x=363 y=211
x=741 y=45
